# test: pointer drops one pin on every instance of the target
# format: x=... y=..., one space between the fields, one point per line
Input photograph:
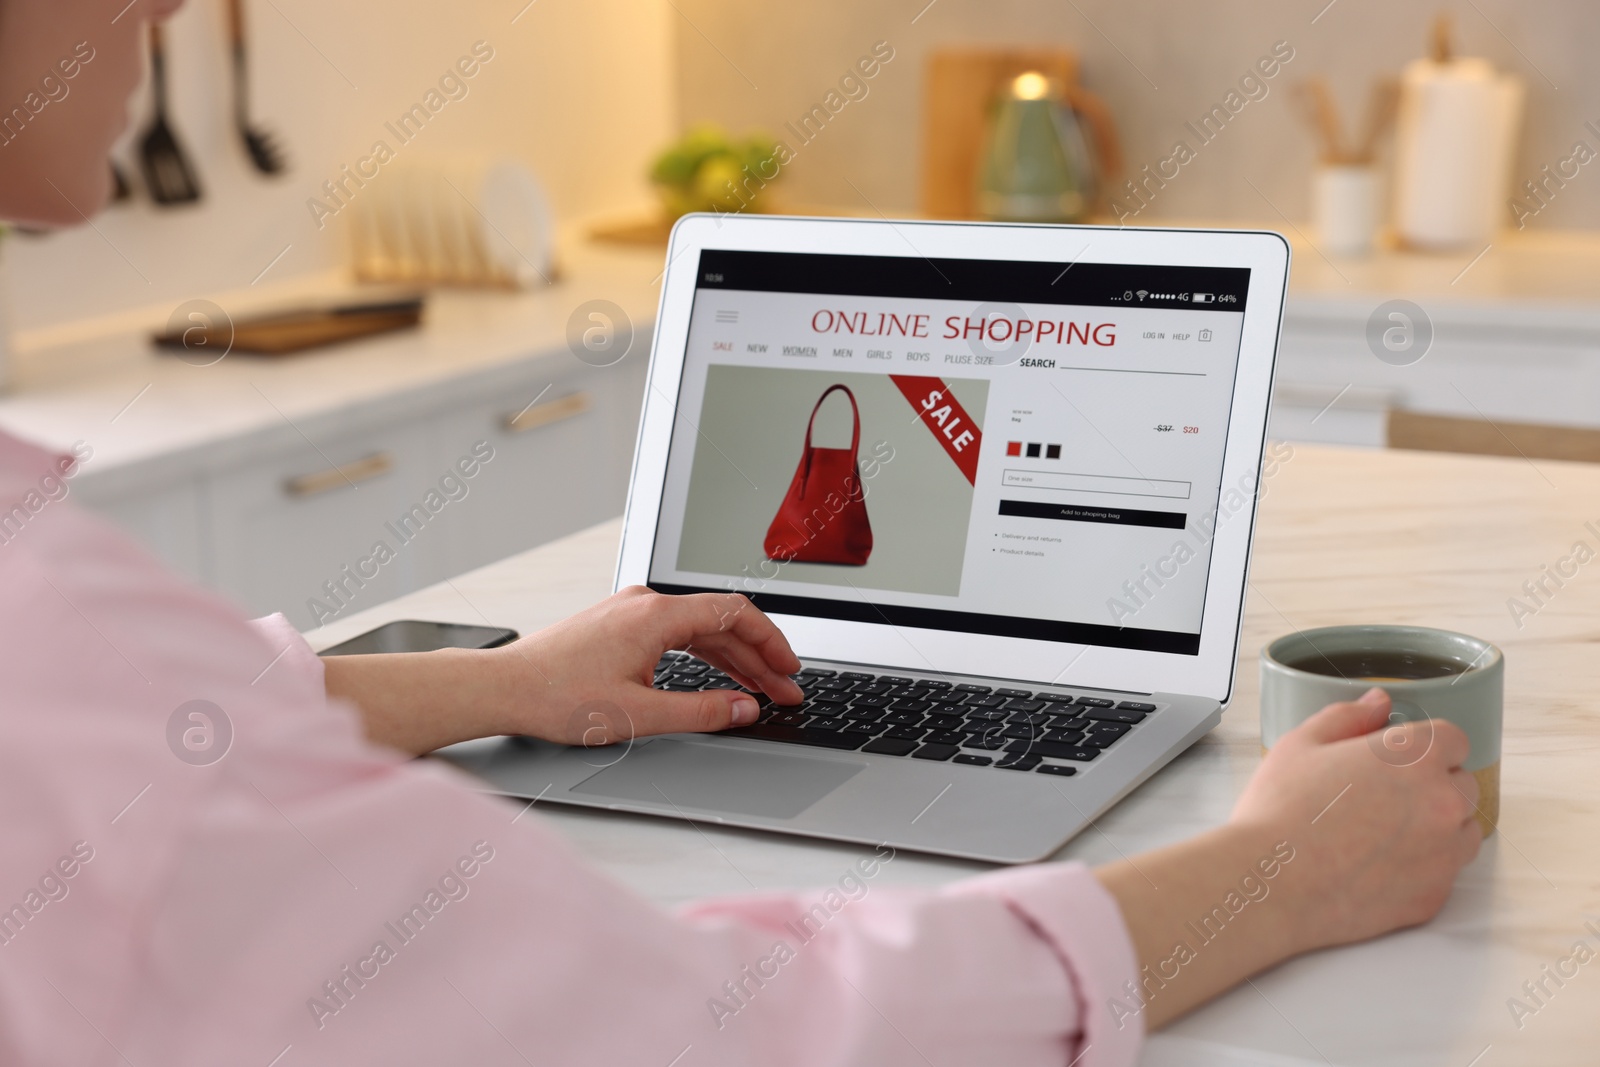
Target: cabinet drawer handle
x=531 y=418
x=357 y=470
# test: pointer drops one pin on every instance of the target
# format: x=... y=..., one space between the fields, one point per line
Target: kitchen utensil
x=286 y=332
x=959 y=90
x=1322 y=113
x=263 y=150
x=1345 y=189
x=1037 y=165
x=167 y=173
x=1458 y=125
x=1382 y=104
x=1316 y=99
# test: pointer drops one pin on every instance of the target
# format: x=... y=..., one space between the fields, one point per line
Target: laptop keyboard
x=918 y=718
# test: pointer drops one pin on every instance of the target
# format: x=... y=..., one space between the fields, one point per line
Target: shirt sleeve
x=260 y=885
x=1083 y=924
x=1015 y=967
x=295 y=654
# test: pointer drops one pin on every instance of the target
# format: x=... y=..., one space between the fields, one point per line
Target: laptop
x=996 y=483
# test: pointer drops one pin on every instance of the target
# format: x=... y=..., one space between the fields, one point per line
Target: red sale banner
x=943 y=414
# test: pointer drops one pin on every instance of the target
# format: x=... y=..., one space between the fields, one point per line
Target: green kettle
x=1037 y=165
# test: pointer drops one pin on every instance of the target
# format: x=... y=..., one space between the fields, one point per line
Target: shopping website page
x=1015 y=448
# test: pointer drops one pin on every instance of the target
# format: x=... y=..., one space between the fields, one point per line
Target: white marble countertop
x=1345 y=536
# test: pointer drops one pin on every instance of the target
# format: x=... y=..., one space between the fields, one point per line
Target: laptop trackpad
x=744 y=781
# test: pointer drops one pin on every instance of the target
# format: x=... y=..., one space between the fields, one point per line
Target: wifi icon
x=1143 y=293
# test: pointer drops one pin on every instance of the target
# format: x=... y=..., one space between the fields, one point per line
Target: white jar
x=1345 y=208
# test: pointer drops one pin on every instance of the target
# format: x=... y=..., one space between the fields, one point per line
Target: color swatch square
x=1013 y=448
x=1033 y=449
x=1052 y=452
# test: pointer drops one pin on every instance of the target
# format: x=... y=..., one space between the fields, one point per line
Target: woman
x=312 y=897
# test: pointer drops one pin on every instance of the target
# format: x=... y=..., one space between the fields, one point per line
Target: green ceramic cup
x=1303 y=672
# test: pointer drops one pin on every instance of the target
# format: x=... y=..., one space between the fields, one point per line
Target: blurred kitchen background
x=1157 y=65
x=271 y=477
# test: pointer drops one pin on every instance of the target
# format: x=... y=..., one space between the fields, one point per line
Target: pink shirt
x=292 y=895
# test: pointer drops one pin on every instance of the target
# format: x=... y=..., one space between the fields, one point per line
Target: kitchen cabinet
x=1508 y=364
x=1516 y=336
x=377 y=505
x=563 y=448
x=169 y=519
x=294 y=532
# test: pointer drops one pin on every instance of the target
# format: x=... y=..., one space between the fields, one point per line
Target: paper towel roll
x=1457 y=131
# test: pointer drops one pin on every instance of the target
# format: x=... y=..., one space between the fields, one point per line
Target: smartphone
x=414 y=635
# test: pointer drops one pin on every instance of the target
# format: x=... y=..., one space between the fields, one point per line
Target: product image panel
x=834 y=478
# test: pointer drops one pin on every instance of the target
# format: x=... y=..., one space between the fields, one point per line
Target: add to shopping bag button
x=1035 y=509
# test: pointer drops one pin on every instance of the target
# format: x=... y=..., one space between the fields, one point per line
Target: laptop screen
x=1020 y=449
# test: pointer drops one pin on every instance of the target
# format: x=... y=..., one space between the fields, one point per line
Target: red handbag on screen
x=823 y=517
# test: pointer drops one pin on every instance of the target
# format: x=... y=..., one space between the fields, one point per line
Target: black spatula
x=263 y=150
x=167 y=173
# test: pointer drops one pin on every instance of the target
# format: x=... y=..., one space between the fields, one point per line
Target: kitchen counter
x=1548 y=279
x=140 y=407
x=1345 y=536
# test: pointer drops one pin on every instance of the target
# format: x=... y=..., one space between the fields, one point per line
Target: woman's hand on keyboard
x=584 y=681
x=587 y=679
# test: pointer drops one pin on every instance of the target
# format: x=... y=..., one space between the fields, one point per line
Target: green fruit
x=717 y=182
x=705 y=170
x=674 y=167
x=705 y=137
x=678 y=163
